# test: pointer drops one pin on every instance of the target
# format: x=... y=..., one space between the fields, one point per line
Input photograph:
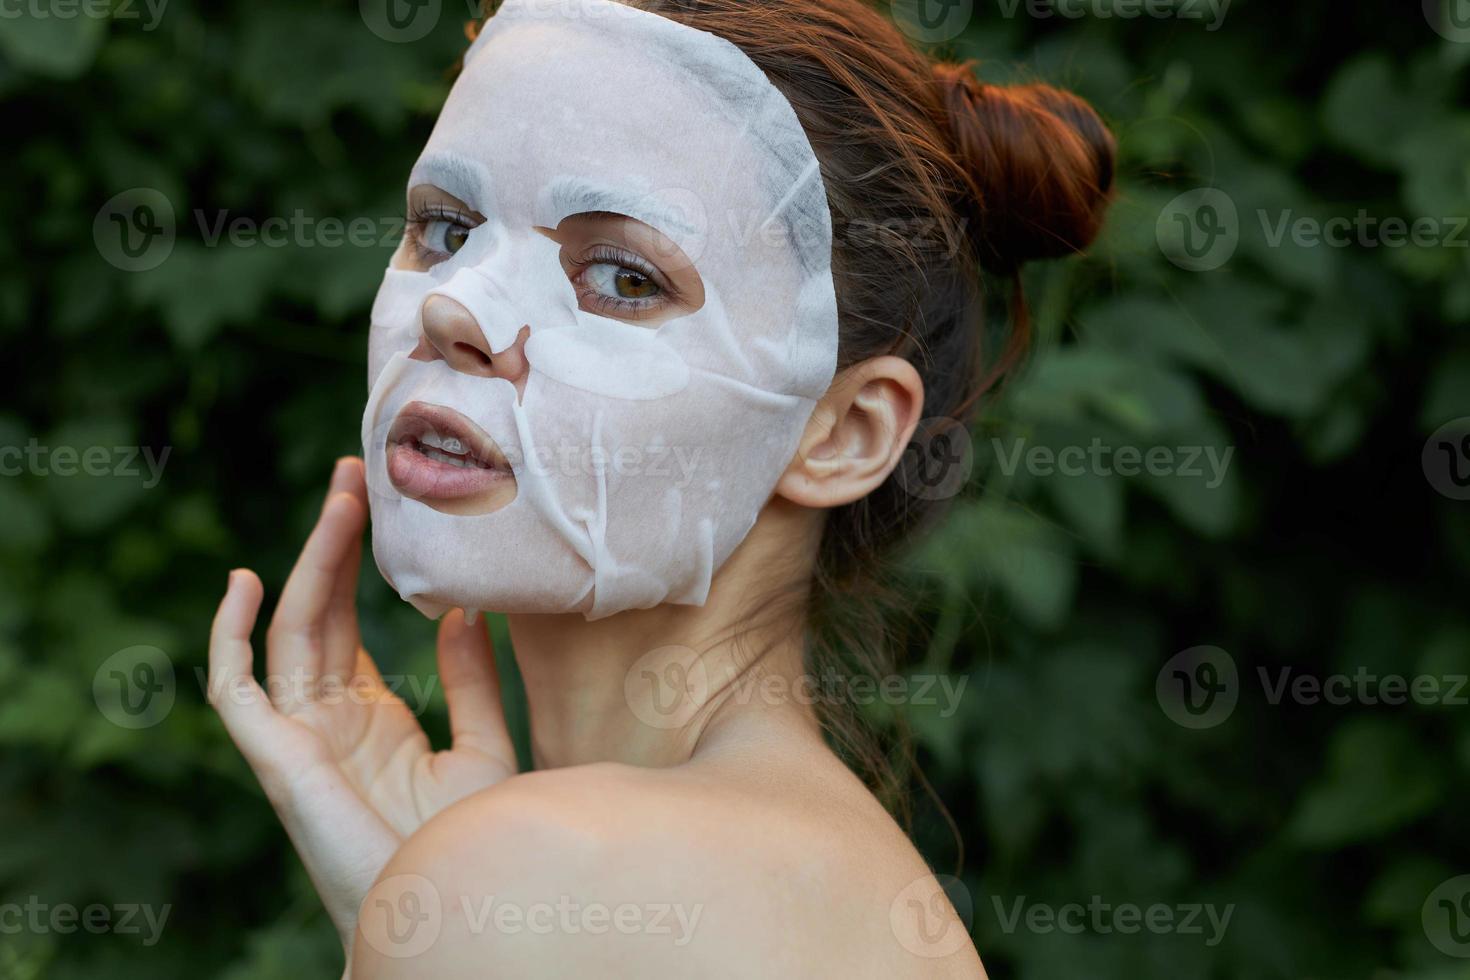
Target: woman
x=680 y=282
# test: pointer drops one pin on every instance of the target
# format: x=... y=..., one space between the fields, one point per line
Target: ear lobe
x=856 y=435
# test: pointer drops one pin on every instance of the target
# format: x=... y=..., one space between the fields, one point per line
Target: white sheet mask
x=642 y=454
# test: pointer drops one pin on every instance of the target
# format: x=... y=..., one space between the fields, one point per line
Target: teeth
x=449 y=445
x=439 y=456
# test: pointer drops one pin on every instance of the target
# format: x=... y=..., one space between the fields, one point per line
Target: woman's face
x=619 y=267
x=607 y=324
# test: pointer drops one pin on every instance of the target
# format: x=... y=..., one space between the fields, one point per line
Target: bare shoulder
x=618 y=871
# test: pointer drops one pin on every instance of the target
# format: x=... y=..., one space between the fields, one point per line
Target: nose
x=451 y=333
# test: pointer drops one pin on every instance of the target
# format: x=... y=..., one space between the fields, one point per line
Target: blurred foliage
x=1323 y=548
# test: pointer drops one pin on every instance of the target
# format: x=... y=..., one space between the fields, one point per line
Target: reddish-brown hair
x=932 y=176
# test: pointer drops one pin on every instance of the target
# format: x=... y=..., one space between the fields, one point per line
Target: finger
x=340 y=635
x=472 y=687
x=347 y=477
x=342 y=842
x=233 y=690
x=296 y=636
x=341 y=638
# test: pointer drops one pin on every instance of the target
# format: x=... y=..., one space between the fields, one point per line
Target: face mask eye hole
x=445 y=236
x=625 y=270
x=618 y=282
x=437 y=226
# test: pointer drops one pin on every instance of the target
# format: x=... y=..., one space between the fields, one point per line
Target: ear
x=856 y=435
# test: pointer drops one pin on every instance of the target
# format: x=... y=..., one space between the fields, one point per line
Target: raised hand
x=342 y=759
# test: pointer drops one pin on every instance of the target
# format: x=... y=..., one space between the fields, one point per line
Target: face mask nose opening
x=453 y=334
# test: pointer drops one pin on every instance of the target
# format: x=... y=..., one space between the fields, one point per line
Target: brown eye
x=444 y=236
x=635 y=285
x=620 y=282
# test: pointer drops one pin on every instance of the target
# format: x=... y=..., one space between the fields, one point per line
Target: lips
x=442 y=459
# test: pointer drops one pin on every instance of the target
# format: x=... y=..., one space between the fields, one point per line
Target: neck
x=652 y=687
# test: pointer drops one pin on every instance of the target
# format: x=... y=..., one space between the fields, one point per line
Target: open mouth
x=442 y=459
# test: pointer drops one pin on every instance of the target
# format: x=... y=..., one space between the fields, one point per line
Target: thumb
x=472 y=688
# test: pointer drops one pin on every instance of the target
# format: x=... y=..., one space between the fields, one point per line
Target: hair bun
x=1040 y=161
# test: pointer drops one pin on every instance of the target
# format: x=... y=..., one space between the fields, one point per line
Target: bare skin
x=675 y=826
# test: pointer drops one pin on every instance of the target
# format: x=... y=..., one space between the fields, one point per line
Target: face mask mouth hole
x=446 y=462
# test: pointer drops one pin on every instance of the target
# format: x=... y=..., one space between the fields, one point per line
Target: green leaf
x=1367 y=112
x=1378 y=778
x=50 y=44
x=93 y=471
x=1092 y=504
x=1448 y=394
x=200 y=288
x=1028 y=559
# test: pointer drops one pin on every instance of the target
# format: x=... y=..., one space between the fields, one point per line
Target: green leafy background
x=1325 y=549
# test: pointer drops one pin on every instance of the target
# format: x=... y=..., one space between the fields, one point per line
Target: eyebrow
x=465 y=179
x=578 y=195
